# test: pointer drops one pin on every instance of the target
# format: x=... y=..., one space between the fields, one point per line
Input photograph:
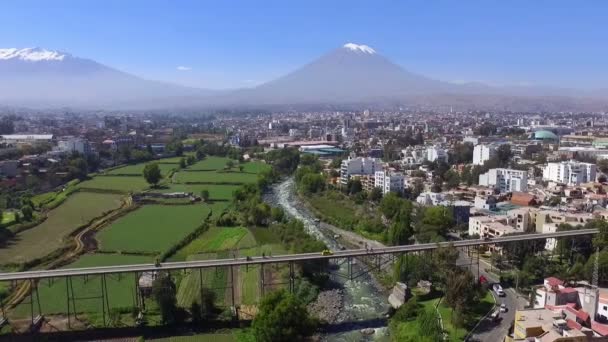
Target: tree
x=390 y=205
x=282 y=318
x=602 y=165
x=417 y=188
x=200 y=155
x=78 y=168
x=437 y=184
x=163 y=291
x=354 y=186
x=196 y=313
x=28 y=212
x=241 y=168
x=152 y=174
x=229 y=165
x=182 y=163
x=375 y=195
x=504 y=154
x=205 y=195
x=191 y=160
x=428 y=325
x=434 y=224
x=277 y=214
x=452 y=179
x=312 y=183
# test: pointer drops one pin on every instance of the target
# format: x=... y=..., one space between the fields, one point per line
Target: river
x=363 y=301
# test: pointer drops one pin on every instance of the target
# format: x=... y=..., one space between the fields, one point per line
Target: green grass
x=138 y=169
x=335 y=209
x=152 y=228
x=8 y=217
x=214 y=280
x=210 y=163
x=116 y=183
x=263 y=235
x=235 y=177
x=53 y=296
x=37 y=242
x=214 y=240
x=216 y=191
x=256 y=167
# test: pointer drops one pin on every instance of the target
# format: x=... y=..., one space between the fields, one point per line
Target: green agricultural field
x=256 y=167
x=37 y=242
x=215 y=280
x=217 y=239
x=53 y=296
x=211 y=163
x=216 y=191
x=235 y=177
x=123 y=184
x=152 y=228
x=138 y=169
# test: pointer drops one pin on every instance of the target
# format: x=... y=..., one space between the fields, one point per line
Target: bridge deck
x=57 y=273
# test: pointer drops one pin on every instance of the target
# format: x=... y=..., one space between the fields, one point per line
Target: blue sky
x=243 y=43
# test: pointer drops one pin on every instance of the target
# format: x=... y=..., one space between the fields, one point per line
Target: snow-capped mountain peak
x=32 y=54
x=359 y=48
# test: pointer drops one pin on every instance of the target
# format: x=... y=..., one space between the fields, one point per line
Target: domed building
x=544 y=135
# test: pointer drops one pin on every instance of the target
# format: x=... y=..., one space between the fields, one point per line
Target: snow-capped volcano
x=32 y=54
x=359 y=48
x=40 y=77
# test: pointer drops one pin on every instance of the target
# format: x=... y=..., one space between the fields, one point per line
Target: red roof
x=573 y=325
x=568 y=290
x=599 y=328
x=580 y=314
x=552 y=281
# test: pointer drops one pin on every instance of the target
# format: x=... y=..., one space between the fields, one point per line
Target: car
x=317 y=220
x=327 y=252
x=498 y=290
x=503 y=307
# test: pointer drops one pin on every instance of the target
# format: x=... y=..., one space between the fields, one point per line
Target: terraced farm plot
x=79 y=208
x=117 y=183
x=152 y=228
x=216 y=191
x=120 y=287
x=210 y=163
x=232 y=177
x=138 y=169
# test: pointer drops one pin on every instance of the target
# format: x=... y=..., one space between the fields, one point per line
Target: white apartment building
x=482 y=153
x=436 y=153
x=570 y=172
x=430 y=198
x=73 y=144
x=358 y=166
x=505 y=180
x=389 y=182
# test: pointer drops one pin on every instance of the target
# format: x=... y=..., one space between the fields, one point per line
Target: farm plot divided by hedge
x=152 y=228
x=216 y=191
x=115 y=183
x=53 y=296
x=138 y=169
x=210 y=163
x=219 y=177
x=79 y=209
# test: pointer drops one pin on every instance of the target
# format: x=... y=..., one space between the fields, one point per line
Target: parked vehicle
x=498 y=290
x=503 y=307
x=495 y=315
x=327 y=252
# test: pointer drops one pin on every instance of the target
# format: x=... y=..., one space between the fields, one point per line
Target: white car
x=503 y=307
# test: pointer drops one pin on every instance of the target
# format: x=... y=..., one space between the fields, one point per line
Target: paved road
x=31 y=275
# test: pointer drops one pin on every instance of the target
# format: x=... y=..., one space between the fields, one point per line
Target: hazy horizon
x=238 y=44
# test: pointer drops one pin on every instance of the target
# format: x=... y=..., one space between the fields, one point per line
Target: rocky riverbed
x=328 y=306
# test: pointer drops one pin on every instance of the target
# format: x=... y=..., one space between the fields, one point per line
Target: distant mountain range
x=347 y=75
